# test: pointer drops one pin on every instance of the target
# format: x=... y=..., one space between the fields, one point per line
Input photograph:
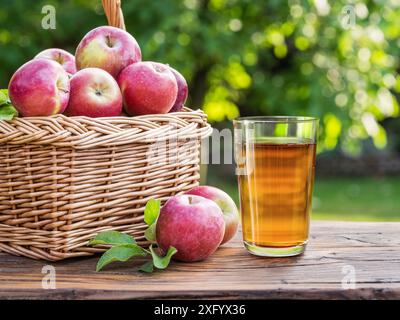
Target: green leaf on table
x=112 y=238
x=148 y=267
x=8 y=112
x=150 y=233
x=120 y=253
x=162 y=262
x=124 y=247
x=152 y=211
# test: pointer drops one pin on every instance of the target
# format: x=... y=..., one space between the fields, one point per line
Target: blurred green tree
x=331 y=60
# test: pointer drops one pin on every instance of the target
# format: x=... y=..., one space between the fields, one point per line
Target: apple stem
x=109 y=43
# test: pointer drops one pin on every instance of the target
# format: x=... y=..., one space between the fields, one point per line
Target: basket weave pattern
x=64 y=179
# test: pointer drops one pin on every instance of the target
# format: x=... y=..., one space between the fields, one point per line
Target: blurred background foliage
x=247 y=57
x=252 y=57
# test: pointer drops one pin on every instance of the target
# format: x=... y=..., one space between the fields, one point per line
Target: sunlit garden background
x=335 y=60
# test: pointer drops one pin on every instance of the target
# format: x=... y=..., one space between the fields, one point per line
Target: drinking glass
x=275 y=165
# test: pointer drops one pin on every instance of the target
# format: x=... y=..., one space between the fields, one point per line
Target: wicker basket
x=64 y=179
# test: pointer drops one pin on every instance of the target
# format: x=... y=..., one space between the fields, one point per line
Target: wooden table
x=337 y=251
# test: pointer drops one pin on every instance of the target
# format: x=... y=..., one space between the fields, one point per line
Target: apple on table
x=227 y=205
x=193 y=225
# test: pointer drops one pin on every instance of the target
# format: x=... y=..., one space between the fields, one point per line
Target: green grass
x=347 y=199
x=357 y=199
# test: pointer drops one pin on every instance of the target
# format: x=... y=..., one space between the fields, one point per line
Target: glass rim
x=276 y=119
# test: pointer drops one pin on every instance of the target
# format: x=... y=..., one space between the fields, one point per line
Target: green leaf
x=120 y=253
x=150 y=233
x=112 y=238
x=4 y=99
x=152 y=211
x=148 y=267
x=8 y=112
x=162 y=262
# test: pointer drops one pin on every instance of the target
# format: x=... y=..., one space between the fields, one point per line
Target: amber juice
x=276 y=192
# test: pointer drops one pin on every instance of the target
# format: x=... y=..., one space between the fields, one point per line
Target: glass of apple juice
x=275 y=165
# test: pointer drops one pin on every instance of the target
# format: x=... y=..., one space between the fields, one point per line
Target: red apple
x=108 y=48
x=227 y=206
x=39 y=88
x=64 y=58
x=148 y=88
x=94 y=93
x=193 y=225
x=182 y=91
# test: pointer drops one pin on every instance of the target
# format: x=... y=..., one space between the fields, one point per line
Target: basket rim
x=185 y=110
x=84 y=132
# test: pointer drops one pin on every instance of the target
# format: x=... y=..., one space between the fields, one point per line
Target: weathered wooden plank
x=372 y=249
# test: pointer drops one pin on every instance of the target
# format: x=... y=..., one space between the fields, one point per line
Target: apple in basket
x=182 y=91
x=148 y=88
x=39 y=88
x=94 y=93
x=64 y=58
x=108 y=48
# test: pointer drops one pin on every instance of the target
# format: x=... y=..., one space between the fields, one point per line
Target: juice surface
x=276 y=192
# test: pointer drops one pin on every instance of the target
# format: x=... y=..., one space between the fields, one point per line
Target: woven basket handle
x=114 y=14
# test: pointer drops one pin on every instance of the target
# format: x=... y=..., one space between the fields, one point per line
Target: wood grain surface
x=372 y=249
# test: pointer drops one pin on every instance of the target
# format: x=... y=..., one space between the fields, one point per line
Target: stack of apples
x=105 y=77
